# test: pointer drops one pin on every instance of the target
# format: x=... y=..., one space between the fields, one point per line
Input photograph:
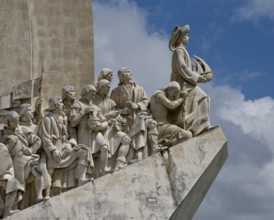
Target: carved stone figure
x=102 y=100
x=68 y=98
x=11 y=190
x=81 y=111
x=23 y=146
x=26 y=117
x=119 y=143
x=132 y=101
x=162 y=105
x=66 y=163
x=195 y=116
x=105 y=73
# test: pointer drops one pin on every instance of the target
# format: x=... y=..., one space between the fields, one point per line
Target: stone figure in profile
x=102 y=100
x=119 y=143
x=195 y=116
x=23 y=146
x=81 y=111
x=105 y=73
x=118 y=140
x=11 y=191
x=68 y=99
x=26 y=117
x=163 y=103
x=66 y=163
x=132 y=101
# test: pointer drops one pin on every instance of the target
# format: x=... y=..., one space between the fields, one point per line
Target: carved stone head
x=12 y=119
x=106 y=73
x=25 y=111
x=179 y=35
x=68 y=93
x=103 y=86
x=88 y=92
x=124 y=74
x=172 y=89
x=55 y=103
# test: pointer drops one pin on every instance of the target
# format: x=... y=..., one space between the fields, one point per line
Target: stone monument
x=118 y=156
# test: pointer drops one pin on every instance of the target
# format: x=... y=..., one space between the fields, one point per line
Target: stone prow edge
x=189 y=205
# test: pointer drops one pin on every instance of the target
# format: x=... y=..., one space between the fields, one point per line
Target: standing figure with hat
x=194 y=115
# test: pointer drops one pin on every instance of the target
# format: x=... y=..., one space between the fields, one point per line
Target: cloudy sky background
x=236 y=38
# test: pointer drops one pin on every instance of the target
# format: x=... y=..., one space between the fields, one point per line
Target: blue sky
x=236 y=38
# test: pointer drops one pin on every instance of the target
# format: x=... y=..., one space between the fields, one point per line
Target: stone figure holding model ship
x=195 y=114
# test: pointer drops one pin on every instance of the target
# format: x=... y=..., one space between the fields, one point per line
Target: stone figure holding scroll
x=195 y=116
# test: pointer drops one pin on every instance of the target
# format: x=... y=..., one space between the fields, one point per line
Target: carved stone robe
x=104 y=103
x=136 y=119
x=54 y=135
x=161 y=109
x=195 y=116
x=8 y=183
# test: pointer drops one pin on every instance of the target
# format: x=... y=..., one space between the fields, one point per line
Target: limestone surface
x=169 y=185
x=48 y=39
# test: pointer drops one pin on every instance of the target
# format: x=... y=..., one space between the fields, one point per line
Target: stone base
x=164 y=186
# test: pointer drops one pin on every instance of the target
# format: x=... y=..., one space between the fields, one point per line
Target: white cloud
x=121 y=39
x=254 y=10
x=254 y=117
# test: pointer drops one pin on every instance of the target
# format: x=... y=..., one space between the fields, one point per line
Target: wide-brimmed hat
x=176 y=34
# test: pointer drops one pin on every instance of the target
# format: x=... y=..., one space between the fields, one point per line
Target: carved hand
x=27 y=151
x=183 y=94
x=13 y=140
x=56 y=156
x=66 y=151
x=132 y=105
x=88 y=109
x=113 y=114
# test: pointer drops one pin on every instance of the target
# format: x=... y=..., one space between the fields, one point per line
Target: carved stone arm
x=160 y=97
x=189 y=75
x=75 y=115
x=46 y=136
x=34 y=142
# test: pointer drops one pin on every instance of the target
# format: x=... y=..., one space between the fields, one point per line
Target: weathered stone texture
x=15 y=44
x=151 y=189
x=41 y=36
